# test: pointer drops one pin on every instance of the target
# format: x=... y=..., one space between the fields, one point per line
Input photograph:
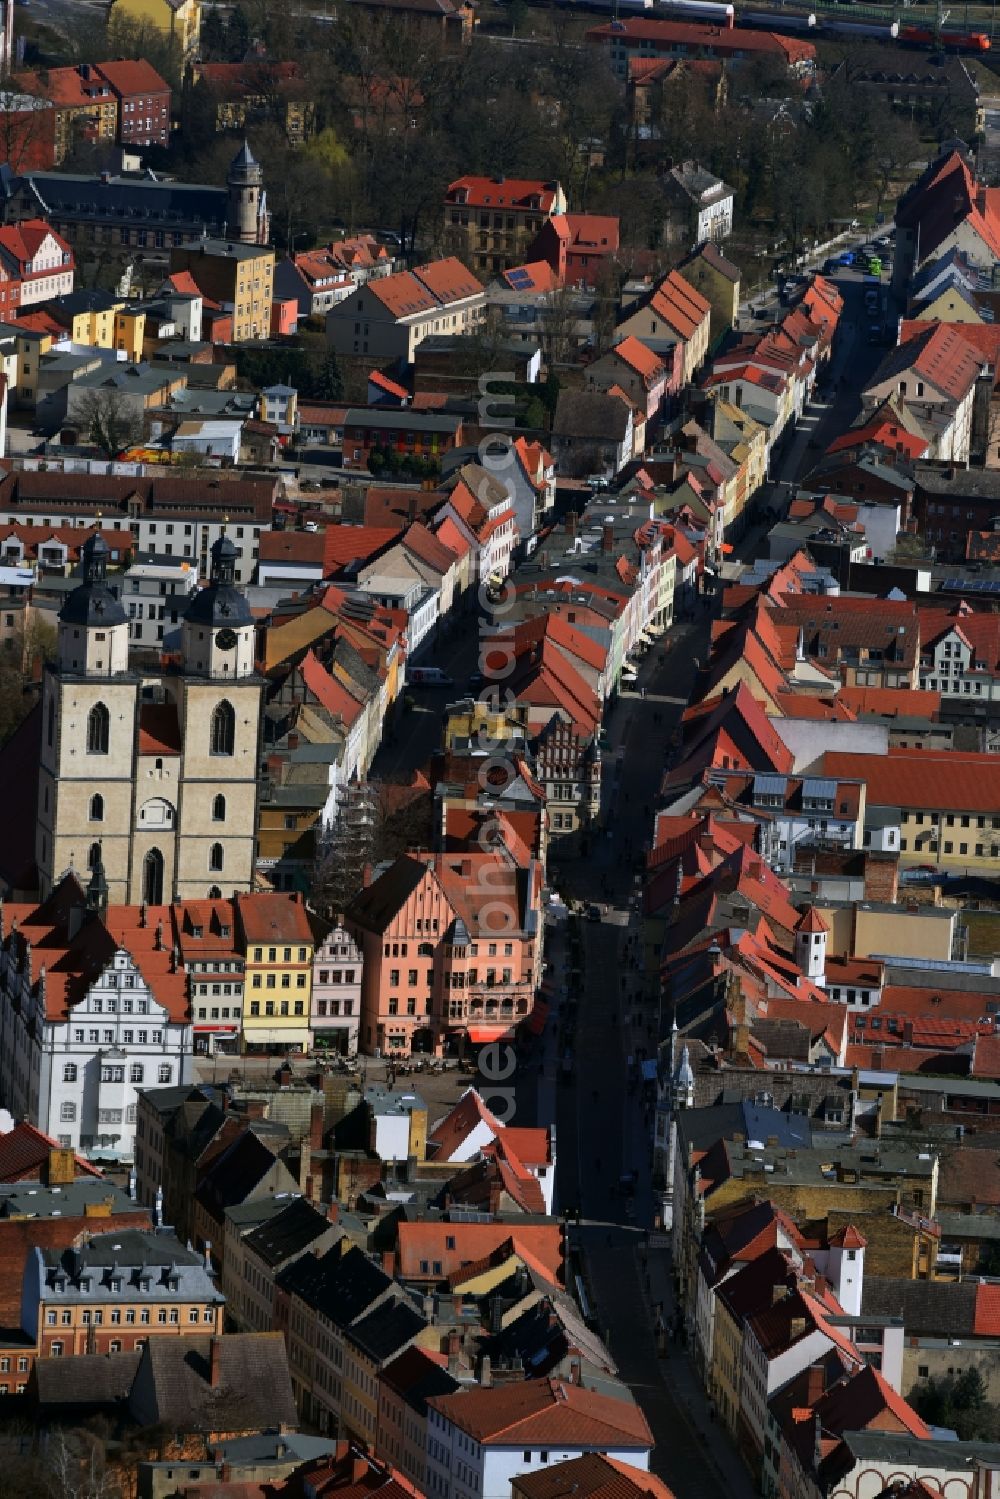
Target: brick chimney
x=316 y=1118
x=333 y=1212
x=607 y=539
x=215 y=1363
x=570 y=522
x=293 y=741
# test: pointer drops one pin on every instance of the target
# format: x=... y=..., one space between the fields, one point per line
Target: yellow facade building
x=178 y=19
x=278 y=945
x=235 y=274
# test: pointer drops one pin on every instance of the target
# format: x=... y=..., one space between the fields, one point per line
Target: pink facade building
x=452 y=949
x=336 y=992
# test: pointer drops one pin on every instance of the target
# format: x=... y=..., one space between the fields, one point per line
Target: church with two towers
x=151 y=775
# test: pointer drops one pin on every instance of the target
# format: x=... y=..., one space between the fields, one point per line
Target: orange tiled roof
x=545 y=1412
x=502 y=192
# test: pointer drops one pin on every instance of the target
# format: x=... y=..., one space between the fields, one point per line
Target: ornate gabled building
x=151 y=776
x=93 y=1007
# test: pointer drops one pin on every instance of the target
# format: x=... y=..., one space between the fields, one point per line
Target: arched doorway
x=152 y=878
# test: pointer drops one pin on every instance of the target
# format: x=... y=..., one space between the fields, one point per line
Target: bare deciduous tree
x=111 y=420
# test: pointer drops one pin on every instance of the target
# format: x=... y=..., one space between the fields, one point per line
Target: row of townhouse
x=803 y=1366
x=771 y=374
x=195 y=977
x=318 y=279
x=366 y=1364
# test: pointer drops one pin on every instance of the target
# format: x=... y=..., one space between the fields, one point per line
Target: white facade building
x=480 y=1440
x=336 y=992
x=77 y=1039
x=155 y=595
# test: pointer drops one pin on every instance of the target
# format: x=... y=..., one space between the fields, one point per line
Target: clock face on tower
x=226 y=639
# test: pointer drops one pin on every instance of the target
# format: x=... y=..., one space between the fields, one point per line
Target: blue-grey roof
x=131 y=199
x=763 y=1124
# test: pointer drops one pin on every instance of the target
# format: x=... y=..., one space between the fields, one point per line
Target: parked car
x=429 y=676
x=593 y=912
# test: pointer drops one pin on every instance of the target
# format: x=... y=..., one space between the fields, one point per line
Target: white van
x=429 y=676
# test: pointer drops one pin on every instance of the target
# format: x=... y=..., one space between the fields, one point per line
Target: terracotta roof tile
x=544 y=1413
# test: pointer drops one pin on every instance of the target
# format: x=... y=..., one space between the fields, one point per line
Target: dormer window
x=144 y=1283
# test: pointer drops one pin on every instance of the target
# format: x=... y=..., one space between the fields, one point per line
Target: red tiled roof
x=640 y=359
x=159 y=730
x=724 y=40
x=986 y=1323
x=426 y=1241
x=272 y=917
x=447 y=280
x=545 y=1413
x=502 y=192
x=22 y=241
x=536 y=275
x=344 y=545
x=811 y=921
x=458 y=1124
x=594 y=1475
x=328 y=690
x=293 y=546
x=938 y=780
x=848 y=1238
x=890 y=702
x=131 y=76
x=24 y=1153
x=941 y=354
x=391 y=387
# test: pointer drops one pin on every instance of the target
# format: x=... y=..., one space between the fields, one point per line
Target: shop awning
x=481 y=1035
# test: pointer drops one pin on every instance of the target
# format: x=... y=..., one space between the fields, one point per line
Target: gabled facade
x=452 y=951
x=92 y=1008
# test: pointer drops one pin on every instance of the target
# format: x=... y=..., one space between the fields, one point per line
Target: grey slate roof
x=590 y=414
x=341 y=1287
x=287 y=1234
x=89 y=1379
x=387 y=1330
x=254 y=1390
x=144 y=199
x=929 y=1308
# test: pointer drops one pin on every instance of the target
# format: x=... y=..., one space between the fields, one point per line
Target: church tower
x=246 y=189
x=219 y=712
x=89 y=708
x=149 y=781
